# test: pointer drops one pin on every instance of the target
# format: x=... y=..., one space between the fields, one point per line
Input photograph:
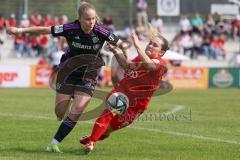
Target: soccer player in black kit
x=79 y=65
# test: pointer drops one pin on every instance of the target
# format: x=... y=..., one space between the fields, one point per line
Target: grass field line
x=132 y=127
x=7 y=158
x=187 y=135
x=27 y=116
x=175 y=109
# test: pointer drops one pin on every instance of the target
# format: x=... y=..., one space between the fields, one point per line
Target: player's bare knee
x=77 y=109
x=59 y=115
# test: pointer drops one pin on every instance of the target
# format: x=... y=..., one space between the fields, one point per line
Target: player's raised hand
x=112 y=48
x=13 y=30
x=134 y=38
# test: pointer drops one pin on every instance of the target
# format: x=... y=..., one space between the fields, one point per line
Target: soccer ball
x=117 y=103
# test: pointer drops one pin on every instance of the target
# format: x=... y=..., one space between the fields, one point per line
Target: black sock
x=64 y=129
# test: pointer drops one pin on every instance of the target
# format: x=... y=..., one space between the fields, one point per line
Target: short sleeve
x=57 y=30
x=159 y=62
x=106 y=34
x=156 y=61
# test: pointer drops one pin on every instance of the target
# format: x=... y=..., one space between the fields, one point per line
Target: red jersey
x=218 y=43
x=2 y=22
x=141 y=83
x=12 y=23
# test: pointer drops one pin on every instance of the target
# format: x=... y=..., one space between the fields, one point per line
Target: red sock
x=101 y=125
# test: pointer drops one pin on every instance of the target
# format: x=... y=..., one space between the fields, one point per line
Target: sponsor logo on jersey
x=95 y=39
x=135 y=74
x=58 y=29
x=111 y=37
x=81 y=46
x=96 y=46
x=77 y=37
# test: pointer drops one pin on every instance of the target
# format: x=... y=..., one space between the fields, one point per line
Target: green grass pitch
x=180 y=125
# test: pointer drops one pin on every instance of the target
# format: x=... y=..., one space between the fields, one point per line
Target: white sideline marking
x=187 y=135
x=26 y=116
x=175 y=109
x=136 y=128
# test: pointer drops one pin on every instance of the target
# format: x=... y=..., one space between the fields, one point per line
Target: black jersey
x=83 y=43
x=81 y=74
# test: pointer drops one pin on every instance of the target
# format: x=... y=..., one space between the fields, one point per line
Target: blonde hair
x=153 y=32
x=84 y=7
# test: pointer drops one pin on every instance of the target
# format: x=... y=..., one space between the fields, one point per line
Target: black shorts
x=74 y=84
x=74 y=76
x=70 y=83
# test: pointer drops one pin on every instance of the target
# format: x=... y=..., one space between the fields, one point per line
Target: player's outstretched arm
x=147 y=62
x=31 y=30
x=120 y=57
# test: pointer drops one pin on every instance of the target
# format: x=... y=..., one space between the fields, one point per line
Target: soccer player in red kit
x=141 y=79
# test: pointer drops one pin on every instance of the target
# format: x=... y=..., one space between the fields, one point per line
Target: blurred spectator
x=206 y=46
x=197 y=23
x=217 y=44
x=157 y=23
x=186 y=43
x=24 y=21
x=236 y=27
x=3 y=22
x=47 y=21
x=209 y=29
x=52 y=46
x=36 y=46
x=222 y=26
x=210 y=21
x=197 y=44
x=56 y=21
x=43 y=42
x=142 y=17
x=56 y=52
x=219 y=19
x=18 y=45
x=12 y=21
x=64 y=19
x=27 y=46
x=108 y=22
x=2 y=37
x=35 y=19
x=185 y=24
